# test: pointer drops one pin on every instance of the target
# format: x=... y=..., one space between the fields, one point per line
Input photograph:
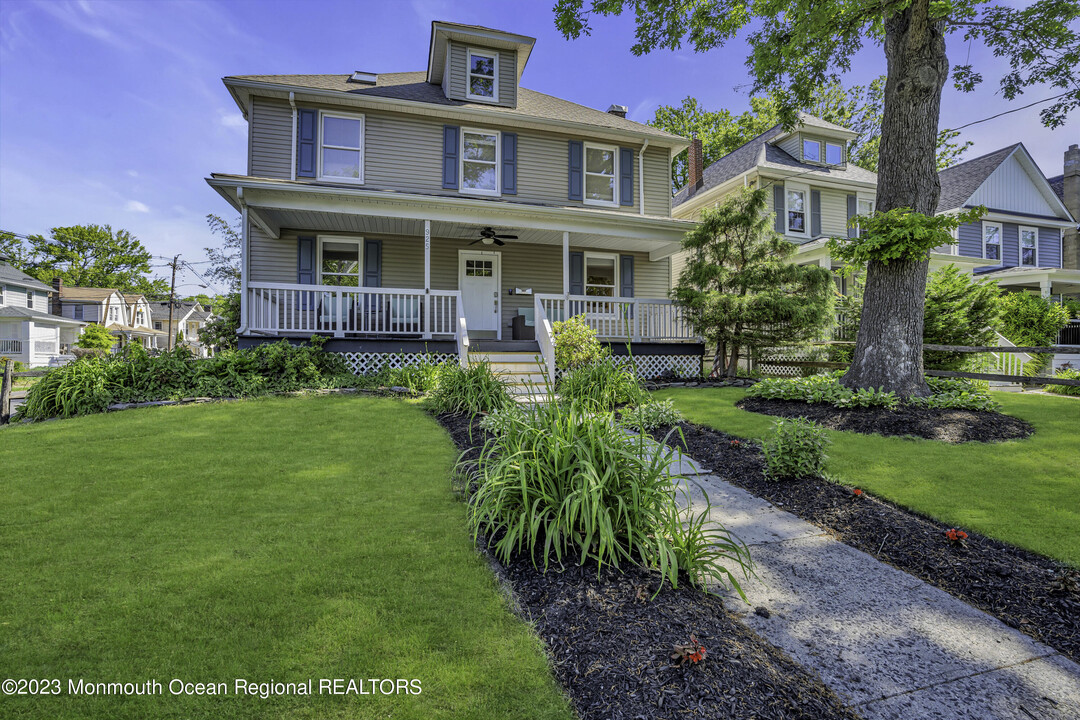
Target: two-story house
x=29 y=333
x=452 y=209
x=128 y=318
x=183 y=324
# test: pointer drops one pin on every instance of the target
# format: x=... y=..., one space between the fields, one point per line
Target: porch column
x=1045 y=287
x=243 y=263
x=566 y=263
x=427 y=280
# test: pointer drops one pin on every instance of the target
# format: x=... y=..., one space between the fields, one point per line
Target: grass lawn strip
x=274 y=539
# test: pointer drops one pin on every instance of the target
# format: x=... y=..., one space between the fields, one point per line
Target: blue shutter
x=577 y=273
x=307 y=131
x=305 y=269
x=852 y=211
x=372 y=263
x=576 y=178
x=509 y=163
x=626 y=276
x=778 y=206
x=626 y=176
x=450 y=157
x=815 y=213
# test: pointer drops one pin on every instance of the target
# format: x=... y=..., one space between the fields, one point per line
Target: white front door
x=479 y=278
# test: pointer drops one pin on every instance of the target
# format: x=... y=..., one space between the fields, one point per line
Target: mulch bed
x=951 y=426
x=610 y=642
x=1027 y=591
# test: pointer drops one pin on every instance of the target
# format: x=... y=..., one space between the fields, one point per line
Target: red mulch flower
x=857 y=492
x=955 y=536
x=734 y=443
x=693 y=652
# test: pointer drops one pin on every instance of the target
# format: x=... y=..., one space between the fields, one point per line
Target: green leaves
x=601 y=385
x=576 y=344
x=795 y=449
x=473 y=389
x=899 y=234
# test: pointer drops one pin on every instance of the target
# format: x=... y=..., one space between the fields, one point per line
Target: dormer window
x=811 y=150
x=483 y=75
x=834 y=153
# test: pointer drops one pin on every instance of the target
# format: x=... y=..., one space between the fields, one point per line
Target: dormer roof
x=442 y=31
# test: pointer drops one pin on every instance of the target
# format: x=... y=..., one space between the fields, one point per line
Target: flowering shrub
x=957 y=537
x=857 y=492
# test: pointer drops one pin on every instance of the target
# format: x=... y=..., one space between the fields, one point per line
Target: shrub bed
x=826 y=389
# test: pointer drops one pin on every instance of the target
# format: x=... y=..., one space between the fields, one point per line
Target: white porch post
x=243 y=262
x=427 y=280
x=566 y=263
x=1045 y=287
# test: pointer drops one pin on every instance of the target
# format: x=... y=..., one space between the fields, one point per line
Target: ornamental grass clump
x=473 y=389
x=651 y=415
x=419 y=377
x=795 y=449
x=562 y=482
x=602 y=385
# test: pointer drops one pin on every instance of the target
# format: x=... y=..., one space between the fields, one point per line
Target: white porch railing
x=287 y=308
x=11 y=347
x=462 y=337
x=637 y=319
x=544 y=337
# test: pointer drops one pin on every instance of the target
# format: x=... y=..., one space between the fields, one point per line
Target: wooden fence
x=7 y=386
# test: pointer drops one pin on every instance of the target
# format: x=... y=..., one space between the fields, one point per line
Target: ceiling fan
x=488 y=236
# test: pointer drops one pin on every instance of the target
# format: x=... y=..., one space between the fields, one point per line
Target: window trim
x=806 y=211
x=585 y=274
x=322 y=145
x=497 y=192
x=806 y=140
x=1020 y=246
x=836 y=145
x=30 y=299
x=78 y=311
x=860 y=198
x=494 y=54
x=585 y=199
x=1001 y=237
x=357 y=239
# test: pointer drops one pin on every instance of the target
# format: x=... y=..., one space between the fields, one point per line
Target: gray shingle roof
x=159 y=309
x=1057 y=184
x=413 y=86
x=22 y=313
x=960 y=182
x=11 y=274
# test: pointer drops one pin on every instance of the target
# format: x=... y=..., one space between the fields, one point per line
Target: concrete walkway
x=887 y=643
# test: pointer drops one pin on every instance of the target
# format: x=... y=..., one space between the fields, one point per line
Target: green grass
x=1025 y=492
x=275 y=539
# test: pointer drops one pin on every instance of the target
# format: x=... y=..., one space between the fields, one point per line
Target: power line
x=1006 y=112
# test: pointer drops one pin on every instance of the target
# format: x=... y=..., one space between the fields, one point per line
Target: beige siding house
x=452 y=210
x=29 y=333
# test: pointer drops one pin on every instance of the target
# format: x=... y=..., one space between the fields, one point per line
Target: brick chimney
x=1071 y=182
x=695 y=179
x=618 y=110
x=54 y=297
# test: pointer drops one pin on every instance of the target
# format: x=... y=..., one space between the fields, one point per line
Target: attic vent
x=368 y=78
x=618 y=110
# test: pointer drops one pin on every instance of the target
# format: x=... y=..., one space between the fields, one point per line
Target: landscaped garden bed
x=1026 y=591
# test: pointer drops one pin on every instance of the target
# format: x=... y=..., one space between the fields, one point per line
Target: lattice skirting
x=369 y=363
x=763 y=366
x=648 y=367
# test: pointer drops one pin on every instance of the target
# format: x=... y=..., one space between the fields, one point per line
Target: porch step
x=522 y=371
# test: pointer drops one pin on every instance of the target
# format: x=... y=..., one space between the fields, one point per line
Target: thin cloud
x=232 y=121
x=136 y=206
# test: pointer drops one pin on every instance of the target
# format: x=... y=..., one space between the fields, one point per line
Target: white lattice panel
x=369 y=363
x=764 y=367
x=648 y=367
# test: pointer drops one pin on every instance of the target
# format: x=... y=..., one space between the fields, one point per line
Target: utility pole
x=172 y=299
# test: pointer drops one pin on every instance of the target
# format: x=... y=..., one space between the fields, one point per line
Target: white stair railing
x=1007 y=363
x=545 y=337
x=462 y=332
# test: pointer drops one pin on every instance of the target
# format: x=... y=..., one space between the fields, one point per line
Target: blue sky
x=113 y=112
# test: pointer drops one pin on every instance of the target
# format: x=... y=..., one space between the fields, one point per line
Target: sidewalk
x=886 y=642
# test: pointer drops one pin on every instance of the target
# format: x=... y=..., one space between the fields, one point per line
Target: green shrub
x=602 y=385
x=1067 y=373
x=473 y=389
x=419 y=377
x=795 y=449
x=650 y=416
x=960 y=310
x=96 y=337
x=576 y=344
x=826 y=389
x=500 y=421
x=564 y=481
x=1031 y=321
x=16 y=365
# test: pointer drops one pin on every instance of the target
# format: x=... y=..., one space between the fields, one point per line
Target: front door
x=479 y=278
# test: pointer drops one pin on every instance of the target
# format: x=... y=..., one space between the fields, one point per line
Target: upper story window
x=865 y=206
x=480 y=162
x=140 y=316
x=30 y=299
x=157 y=324
x=77 y=312
x=339 y=262
x=114 y=314
x=600 y=173
x=341 y=157
x=1029 y=240
x=834 y=153
x=796 y=196
x=1 y=296
x=811 y=150
x=992 y=241
x=482 y=82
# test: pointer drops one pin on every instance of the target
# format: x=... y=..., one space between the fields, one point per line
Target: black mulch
x=1024 y=590
x=610 y=643
x=952 y=426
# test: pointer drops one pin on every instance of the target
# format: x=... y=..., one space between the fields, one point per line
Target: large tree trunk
x=888 y=349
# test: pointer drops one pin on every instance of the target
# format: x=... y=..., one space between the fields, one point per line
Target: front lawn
x=1024 y=492
x=272 y=540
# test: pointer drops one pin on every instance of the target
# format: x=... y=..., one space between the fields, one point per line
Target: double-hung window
x=834 y=153
x=113 y=314
x=796 y=200
x=341 y=157
x=340 y=261
x=992 y=241
x=601 y=169
x=864 y=206
x=77 y=312
x=480 y=162
x=1029 y=241
x=811 y=150
x=482 y=82
x=30 y=299
x=600 y=275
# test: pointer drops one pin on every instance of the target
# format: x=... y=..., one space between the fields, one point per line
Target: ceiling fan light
x=487 y=240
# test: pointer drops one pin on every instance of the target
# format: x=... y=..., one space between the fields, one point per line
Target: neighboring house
x=126 y=317
x=1067 y=188
x=28 y=332
x=1019 y=241
x=812 y=188
x=412 y=212
x=188 y=317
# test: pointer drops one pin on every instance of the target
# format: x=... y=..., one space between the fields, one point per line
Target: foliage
x=473 y=389
x=1066 y=373
x=225 y=260
x=738 y=289
x=1031 y=321
x=499 y=421
x=651 y=415
x=899 y=234
x=16 y=365
x=96 y=337
x=796 y=449
x=957 y=394
x=90 y=384
x=959 y=310
x=945 y=393
x=602 y=385
x=849 y=313
x=576 y=343
x=1072 y=306
x=219 y=332
x=566 y=481
x=419 y=377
